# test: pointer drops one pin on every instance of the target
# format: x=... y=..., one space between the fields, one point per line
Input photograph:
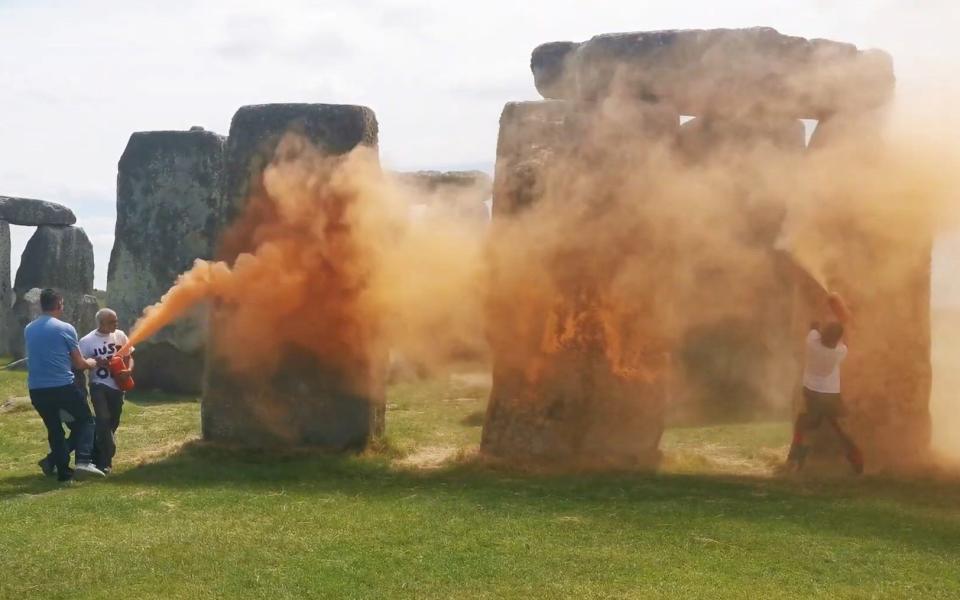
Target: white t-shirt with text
x=821 y=373
x=97 y=345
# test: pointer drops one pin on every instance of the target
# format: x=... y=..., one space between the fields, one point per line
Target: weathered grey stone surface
x=56 y=257
x=87 y=315
x=557 y=394
x=169 y=202
x=531 y=134
x=306 y=401
x=26 y=307
x=6 y=294
x=718 y=70
x=255 y=131
x=30 y=212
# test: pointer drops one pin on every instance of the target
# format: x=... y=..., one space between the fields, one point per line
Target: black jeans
x=107 y=406
x=49 y=402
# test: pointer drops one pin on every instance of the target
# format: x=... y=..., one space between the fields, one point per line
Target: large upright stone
x=6 y=294
x=738 y=348
x=578 y=366
x=169 y=203
x=720 y=70
x=881 y=266
x=56 y=257
x=307 y=401
x=255 y=131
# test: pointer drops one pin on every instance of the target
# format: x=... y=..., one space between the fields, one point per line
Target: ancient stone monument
x=29 y=212
x=169 y=203
x=579 y=368
x=307 y=401
x=57 y=256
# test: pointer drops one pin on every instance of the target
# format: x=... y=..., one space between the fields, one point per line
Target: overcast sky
x=80 y=76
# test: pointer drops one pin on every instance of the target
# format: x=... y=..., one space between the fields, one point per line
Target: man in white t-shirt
x=824 y=353
x=100 y=344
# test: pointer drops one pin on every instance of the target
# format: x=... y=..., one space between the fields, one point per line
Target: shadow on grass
x=157 y=398
x=921 y=513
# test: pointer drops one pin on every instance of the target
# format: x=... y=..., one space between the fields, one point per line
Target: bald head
x=106 y=320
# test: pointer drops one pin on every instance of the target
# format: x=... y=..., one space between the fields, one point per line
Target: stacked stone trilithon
x=306 y=401
x=58 y=255
x=745 y=88
x=168 y=215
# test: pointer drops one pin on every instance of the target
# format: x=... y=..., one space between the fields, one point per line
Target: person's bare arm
x=838 y=307
x=81 y=363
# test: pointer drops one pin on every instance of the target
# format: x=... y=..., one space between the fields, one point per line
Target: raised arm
x=838 y=307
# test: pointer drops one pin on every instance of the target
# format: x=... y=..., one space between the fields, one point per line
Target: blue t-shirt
x=49 y=343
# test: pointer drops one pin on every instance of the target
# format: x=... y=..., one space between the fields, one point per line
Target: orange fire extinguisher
x=119 y=372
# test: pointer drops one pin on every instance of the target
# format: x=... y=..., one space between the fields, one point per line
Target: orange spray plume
x=204 y=280
x=328 y=263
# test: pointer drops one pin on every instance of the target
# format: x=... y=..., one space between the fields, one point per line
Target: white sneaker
x=87 y=470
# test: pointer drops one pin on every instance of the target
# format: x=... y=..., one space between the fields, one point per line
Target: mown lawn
x=421 y=516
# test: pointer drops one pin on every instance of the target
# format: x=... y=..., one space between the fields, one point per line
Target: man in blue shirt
x=52 y=354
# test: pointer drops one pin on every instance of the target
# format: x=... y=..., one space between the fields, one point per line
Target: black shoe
x=46 y=466
x=65 y=475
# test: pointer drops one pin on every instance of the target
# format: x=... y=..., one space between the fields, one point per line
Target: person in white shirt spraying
x=106 y=394
x=825 y=351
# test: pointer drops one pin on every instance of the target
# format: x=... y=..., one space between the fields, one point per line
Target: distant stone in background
x=59 y=257
x=30 y=212
x=460 y=194
x=168 y=205
x=25 y=309
x=87 y=315
x=6 y=294
x=726 y=71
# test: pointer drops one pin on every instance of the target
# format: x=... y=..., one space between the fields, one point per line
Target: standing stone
x=738 y=349
x=578 y=365
x=6 y=294
x=887 y=376
x=26 y=309
x=87 y=314
x=168 y=209
x=57 y=257
x=306 y=401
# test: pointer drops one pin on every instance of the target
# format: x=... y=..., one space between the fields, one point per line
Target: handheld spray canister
x=119 y=372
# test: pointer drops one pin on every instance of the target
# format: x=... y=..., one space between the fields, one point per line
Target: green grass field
x=422 y=516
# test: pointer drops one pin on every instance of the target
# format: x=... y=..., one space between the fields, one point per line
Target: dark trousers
x=107 y=406
x=79 y=382
x=49 y=402
x=822 y=407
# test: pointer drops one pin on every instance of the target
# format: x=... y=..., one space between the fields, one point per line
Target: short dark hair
x=831 y=334
x=50 y=299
